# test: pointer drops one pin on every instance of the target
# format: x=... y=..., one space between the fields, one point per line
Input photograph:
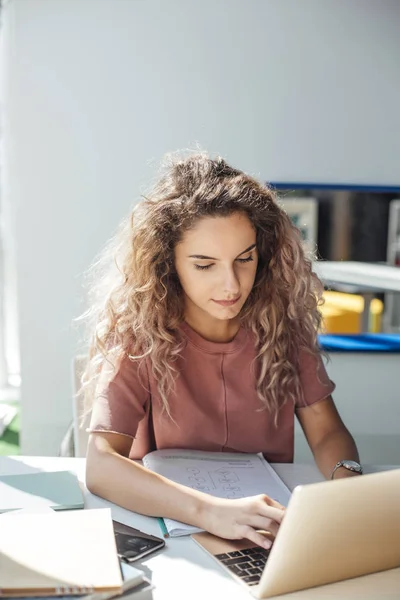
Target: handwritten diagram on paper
x=224 y=480
x=225 y=476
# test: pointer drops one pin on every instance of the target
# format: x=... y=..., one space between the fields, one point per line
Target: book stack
x=49 y=550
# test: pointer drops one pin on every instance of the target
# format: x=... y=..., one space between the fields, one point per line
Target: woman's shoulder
x=123 y=368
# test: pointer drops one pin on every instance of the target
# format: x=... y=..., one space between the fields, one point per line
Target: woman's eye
x=202 y=267
x=245 y=260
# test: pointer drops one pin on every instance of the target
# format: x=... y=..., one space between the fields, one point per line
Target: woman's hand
x=244 y=518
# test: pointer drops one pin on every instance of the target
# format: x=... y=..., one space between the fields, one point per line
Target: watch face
x=352 y=464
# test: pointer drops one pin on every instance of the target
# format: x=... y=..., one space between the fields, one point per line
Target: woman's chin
x=226 y=314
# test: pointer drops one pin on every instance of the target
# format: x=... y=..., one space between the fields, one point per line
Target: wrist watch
x=350 y=465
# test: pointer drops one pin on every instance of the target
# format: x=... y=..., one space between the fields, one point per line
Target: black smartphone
x=133 y=544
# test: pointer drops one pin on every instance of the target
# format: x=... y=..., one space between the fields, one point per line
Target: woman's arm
x=327 y=436
x=113 y=476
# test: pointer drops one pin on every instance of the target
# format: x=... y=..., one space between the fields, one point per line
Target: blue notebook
x=59 y=490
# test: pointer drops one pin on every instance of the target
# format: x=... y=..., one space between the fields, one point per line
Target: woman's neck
x=214 y=330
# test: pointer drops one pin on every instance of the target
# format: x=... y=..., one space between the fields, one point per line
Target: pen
x=162 y=527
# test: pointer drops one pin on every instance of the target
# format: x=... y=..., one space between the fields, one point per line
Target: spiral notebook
x=221 y=474
x=58 y=554
x=134 y=581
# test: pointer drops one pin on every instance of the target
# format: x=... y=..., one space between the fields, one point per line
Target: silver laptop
x=333 y=530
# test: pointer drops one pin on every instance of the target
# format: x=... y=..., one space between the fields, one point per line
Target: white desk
x=183 y=571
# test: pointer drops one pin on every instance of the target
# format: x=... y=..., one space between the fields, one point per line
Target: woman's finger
x=263 y=524
x=277 y=504
x=256 y=537
x=271 y=502
x=265 y=510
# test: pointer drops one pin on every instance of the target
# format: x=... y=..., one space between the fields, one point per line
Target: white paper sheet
x=221 y=474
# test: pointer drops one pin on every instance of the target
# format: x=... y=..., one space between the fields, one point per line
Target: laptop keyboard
x=248 y=564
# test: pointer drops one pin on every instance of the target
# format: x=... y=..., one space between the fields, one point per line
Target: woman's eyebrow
x=202 y=257
x=247 y=250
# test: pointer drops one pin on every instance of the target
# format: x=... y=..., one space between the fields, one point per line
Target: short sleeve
x=314 y=379
x=122 y=400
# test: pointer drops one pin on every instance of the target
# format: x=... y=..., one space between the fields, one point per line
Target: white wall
x=95 y=89
x=367 y=397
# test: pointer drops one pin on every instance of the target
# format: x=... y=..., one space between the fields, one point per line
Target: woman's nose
x=231 y=282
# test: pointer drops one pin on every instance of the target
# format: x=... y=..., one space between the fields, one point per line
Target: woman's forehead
x=238 y=224
x=217 y=235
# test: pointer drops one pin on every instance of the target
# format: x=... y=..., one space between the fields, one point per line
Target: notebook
x=332 y=531
x=133 y=581
x=58 y=490
x=221 y=474
x=58 y=553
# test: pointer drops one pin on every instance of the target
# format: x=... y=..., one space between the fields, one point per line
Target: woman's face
x=216 y=262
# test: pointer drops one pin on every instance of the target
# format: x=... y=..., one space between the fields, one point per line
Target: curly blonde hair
x=136 y=297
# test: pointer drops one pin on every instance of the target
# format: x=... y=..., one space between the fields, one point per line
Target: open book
x=58 y=553
x=221 y=474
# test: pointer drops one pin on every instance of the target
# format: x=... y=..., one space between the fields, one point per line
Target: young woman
x=204 y=336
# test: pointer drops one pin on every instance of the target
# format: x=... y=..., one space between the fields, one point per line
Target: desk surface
x=185 y=571
x=373 y=277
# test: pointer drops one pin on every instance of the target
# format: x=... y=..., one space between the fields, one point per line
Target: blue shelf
x=364 y=342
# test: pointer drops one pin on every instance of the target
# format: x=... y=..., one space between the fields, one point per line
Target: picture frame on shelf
x=303 y=213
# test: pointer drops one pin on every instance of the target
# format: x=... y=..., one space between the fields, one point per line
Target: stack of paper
x=58 y=554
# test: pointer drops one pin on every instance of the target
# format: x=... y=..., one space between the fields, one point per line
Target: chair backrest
x=80 y=434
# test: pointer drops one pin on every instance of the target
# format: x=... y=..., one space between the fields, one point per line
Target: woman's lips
x=227 y=302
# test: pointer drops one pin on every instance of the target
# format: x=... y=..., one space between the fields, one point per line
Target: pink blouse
x=214 y=405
